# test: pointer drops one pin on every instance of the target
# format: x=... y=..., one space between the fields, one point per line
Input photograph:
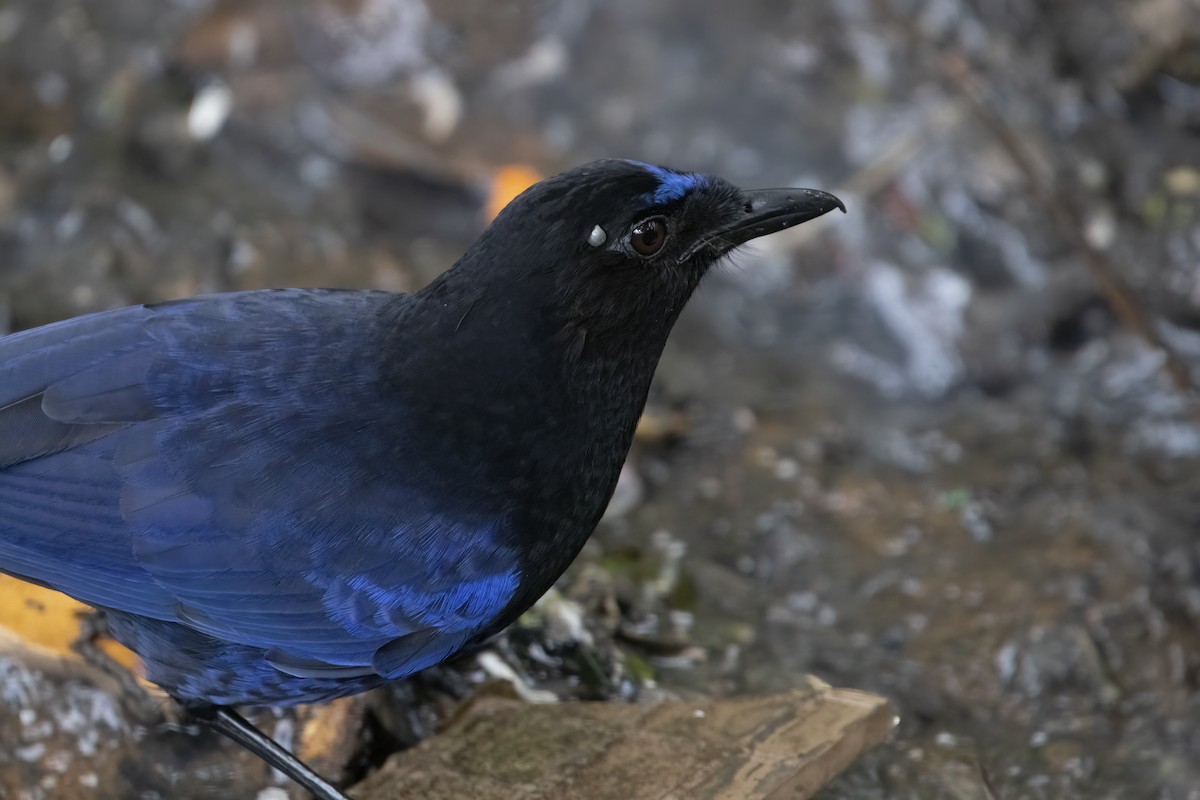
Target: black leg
x=229 y=722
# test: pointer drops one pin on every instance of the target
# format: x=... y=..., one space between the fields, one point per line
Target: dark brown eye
x=649 y=236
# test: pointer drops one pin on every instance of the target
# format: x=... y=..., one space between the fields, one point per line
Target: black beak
x=769 y=211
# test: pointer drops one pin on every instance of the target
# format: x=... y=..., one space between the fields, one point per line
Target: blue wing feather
x=60 y=526
x=32 y=360
x=26 y=432
x=161 y=462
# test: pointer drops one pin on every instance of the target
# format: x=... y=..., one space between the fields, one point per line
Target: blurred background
x=944 y=448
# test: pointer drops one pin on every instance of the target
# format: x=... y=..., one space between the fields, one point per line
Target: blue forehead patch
x=672 y=185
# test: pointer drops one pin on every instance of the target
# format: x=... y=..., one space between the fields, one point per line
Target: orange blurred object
x=46 y=621
x=508 y=182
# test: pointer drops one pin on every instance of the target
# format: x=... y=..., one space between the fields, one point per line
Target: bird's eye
x=649 y=236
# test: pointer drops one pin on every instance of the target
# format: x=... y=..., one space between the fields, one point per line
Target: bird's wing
x=229 y=463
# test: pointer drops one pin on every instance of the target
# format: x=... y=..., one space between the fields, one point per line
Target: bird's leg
x=227 y=721
x=92 y=626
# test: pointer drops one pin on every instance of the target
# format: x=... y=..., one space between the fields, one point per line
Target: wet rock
x=1054 y=659
x=68 y=732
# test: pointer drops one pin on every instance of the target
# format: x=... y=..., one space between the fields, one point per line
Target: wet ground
x=944 y=448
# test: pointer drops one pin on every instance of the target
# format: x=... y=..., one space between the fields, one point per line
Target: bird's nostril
x=749 y=208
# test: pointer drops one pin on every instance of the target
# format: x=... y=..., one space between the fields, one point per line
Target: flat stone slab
x=784 y=746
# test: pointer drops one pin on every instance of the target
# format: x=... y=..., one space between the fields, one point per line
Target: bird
x=288 y=496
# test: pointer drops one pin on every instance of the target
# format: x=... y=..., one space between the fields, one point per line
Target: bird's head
x=613 y=249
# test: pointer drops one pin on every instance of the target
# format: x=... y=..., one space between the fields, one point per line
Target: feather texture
x=161 y=465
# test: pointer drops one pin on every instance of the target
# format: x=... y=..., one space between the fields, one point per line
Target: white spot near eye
x=597 y=237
